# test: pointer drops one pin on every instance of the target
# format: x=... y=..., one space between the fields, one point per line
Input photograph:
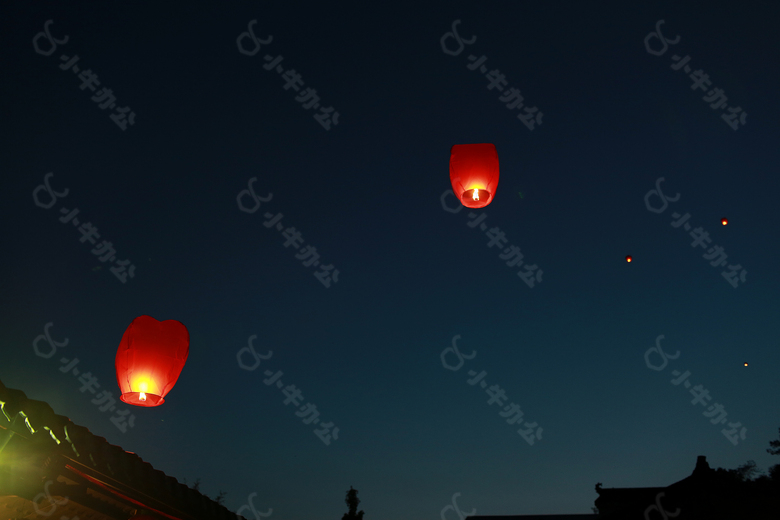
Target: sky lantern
x=474 y=173
x=724 y=221
x=628 y=259
x=150 y=358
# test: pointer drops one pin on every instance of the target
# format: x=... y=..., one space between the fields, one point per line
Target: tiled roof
x=35 y=420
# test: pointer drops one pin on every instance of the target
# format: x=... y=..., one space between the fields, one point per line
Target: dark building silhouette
x=706 y=494
x=46 y=457
x=534 y=517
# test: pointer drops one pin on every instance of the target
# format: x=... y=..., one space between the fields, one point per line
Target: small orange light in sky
x=746 y=364
x=628 y=259
x=724 y=221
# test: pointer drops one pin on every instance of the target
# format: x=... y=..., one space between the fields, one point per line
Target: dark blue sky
x=367 y=194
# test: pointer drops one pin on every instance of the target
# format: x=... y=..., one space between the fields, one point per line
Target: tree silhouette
x=352 y=502
x=774 y=471
x=775 y=449
x=746 y=471
x=219 y=499
x=194 y=486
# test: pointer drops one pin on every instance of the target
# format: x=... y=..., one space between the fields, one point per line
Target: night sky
x=568 y=346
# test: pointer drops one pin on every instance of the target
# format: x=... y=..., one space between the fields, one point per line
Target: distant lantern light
x=474 y=173
x=628 y=259
x=150 y=359
x=724 y=221
x=746 y=364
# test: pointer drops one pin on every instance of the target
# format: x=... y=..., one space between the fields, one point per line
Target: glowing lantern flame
x=474 y=173
x=628 y=259
x=724 y=221
x=746 y=364
x=150 y=359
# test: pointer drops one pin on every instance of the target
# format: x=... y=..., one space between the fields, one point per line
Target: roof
x=93 y=462
x=705 y=493
x=534 y=517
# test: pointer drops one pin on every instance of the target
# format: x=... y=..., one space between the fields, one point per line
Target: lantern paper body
x=150 y=358
x=474 y=173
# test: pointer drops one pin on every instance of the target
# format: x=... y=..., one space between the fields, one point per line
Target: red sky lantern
x=724 y=221
x=628 y=259
x=474 y=173
x=150 y=358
